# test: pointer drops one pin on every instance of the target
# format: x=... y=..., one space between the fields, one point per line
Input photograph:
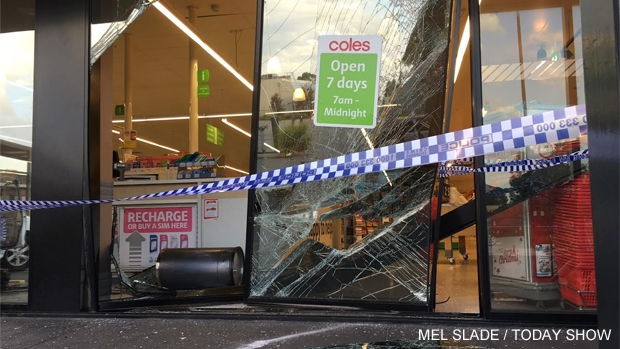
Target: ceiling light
x=271 y=147
x=174 y=118
x=462 y=47
x=372 y=146
x=312 y=110
x=171 y=118
x=151 y=143
x=16 y=126
x=299 y=95
x=248 y=134
x=223 y=115
x=367 y=139
x=236 y=169
x=237 y=128
x=288 y=112
x=193 y=34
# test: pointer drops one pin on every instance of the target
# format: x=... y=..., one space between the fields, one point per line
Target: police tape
x=515 y=165
x=548 y=127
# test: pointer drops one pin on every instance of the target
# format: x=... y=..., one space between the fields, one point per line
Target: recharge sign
x=158 y=220
x=146 y=231
x=347 y=83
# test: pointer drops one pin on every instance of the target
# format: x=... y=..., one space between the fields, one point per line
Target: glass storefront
x=16 y=117
x=363 y=238
x=540 y=254
x=371 y=239
x=174 y=75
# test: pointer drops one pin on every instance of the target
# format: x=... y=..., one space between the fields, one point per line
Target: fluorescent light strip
x=269 y=146
x=219 y=116
x=289 y=112
x=236 y=169
x=372 y=146
x=462 y=47
x=180 y=23
x=311 y=110
x=216 y=116
x=151 y=143
x=535 y=69
x=237 y=128
x=173 y=118
x=247 y=134
x=15 y=126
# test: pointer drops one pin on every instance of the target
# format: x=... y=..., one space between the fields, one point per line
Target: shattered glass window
x=109 y=21
x=363 y=237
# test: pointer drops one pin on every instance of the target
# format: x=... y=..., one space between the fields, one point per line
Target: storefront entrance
x=495 y=245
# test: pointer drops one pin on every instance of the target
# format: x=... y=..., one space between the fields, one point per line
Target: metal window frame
x=484 y=281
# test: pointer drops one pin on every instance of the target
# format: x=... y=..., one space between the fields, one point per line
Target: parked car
x=14 y=248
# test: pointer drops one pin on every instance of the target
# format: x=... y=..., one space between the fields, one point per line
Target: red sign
x=350 y=45
x=158 y=220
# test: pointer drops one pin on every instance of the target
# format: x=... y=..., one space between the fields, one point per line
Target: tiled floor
x=458 y=284
x=457 y=289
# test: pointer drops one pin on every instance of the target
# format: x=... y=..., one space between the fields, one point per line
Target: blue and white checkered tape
x=515 y=165
x=2 y=228
x=543 y=128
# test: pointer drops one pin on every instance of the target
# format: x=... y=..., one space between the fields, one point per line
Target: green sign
x=347 y=83
x=215 y=135
x=119 y=110
x=203 y=75
x=204 y=91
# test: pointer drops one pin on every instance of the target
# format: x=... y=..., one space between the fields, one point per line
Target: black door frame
x=600 y=21
x=480 y=185
x=60 y=169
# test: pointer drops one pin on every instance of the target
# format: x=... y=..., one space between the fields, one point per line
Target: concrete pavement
x=30 y=332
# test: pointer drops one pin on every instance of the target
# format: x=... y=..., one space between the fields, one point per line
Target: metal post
x=59 y=155
x=128 y=88
x=193 y=88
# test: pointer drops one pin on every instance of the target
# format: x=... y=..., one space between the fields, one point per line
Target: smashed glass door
x=358 y=239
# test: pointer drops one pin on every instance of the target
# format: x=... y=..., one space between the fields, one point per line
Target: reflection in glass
x=363 y=237
x=16 y=91
x=106 y=29
x=532 y=63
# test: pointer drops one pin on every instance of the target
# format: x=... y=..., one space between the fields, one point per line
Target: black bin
x=199 y=268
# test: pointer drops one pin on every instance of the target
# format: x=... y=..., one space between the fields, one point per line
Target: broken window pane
x=364 y=237
x=109 y=21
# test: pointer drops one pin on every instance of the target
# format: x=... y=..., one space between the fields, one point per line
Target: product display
x=193 y=166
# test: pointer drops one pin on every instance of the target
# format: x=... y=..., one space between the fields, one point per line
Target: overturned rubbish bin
x=199 y=268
